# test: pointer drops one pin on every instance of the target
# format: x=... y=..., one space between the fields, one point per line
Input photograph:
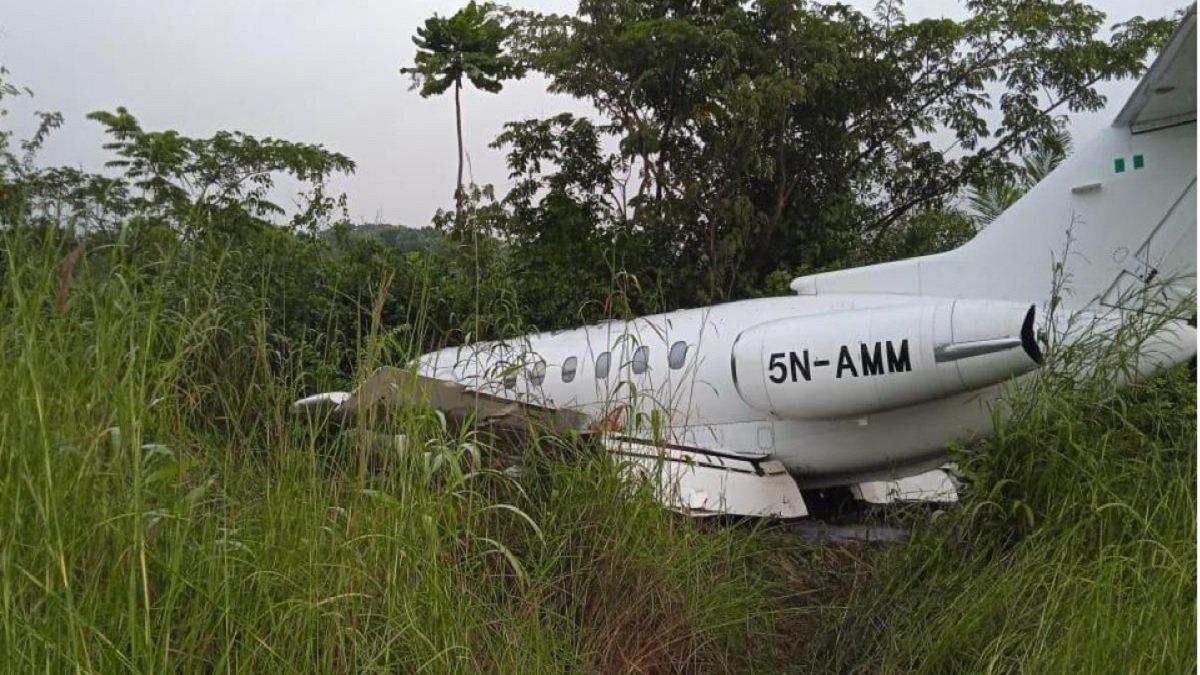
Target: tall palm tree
x=989 y=201
x=468 y=44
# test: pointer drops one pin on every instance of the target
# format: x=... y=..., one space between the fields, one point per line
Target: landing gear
x=832 y=504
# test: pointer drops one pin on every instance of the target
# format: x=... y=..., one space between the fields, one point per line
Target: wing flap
x=699 y=482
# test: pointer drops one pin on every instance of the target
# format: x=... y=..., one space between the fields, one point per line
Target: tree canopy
x=467 y=44
x=735 y=145
x=739 y=143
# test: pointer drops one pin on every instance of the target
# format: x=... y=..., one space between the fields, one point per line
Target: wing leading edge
x=389 y=388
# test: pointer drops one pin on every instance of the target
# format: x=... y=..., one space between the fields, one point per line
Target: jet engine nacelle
x=852 y=363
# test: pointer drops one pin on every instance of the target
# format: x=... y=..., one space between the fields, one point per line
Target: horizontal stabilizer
x=1166 y=94
x=700 y=482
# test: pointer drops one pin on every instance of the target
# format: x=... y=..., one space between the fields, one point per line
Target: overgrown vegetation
x=161 y=511
x=164 y=512
x=755 y=142
x=1073 y=548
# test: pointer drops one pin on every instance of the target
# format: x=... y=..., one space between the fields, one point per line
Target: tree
x=405 y=239
x=468 y=44
x=991 y=199
x=560 y=224
x=203 y=185
x=773 y=135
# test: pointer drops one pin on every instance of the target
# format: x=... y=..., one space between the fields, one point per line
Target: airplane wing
x=690 y=480
x=1166 y=94
x=389 y=388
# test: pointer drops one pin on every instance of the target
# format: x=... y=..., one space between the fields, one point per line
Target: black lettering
x=821 y=362
x=777 y=362
x=898 y=363
x=872 y=363
x=801 y=367
x=845 y=363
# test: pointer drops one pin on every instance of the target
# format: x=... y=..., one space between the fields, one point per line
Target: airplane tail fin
x=1119 y=214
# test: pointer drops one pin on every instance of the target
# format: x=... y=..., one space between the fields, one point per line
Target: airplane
x=860 y=380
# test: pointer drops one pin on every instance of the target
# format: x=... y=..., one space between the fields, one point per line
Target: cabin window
x=568 y=369
x=678 y=355
x=602 y=362
x=641 y=360
x=537 y=373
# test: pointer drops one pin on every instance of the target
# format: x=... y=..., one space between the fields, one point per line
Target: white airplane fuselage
x=702 y=401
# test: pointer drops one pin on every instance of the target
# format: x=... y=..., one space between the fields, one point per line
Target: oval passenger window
x=678 y=355
x=537 y=373
x=602 y=365
x=641 y=360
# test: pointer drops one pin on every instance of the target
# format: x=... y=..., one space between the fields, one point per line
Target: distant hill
x=397 y=236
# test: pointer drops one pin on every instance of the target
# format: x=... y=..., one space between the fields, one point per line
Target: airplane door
x=1162 y=265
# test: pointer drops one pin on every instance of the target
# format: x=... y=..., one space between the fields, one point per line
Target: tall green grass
x=160 y=511
x=1073 y=549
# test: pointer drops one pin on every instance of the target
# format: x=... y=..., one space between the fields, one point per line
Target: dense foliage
x=737 y=145
x=1073 y=549
x=740 y=143
x=161 y=511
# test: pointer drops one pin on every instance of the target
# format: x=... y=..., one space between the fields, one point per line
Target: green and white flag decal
x=1139 y=162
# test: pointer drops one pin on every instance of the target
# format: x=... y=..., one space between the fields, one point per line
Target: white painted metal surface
x=902 y=356
x=931 y=486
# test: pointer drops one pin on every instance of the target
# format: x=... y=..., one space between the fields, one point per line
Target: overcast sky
x=320 y=71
